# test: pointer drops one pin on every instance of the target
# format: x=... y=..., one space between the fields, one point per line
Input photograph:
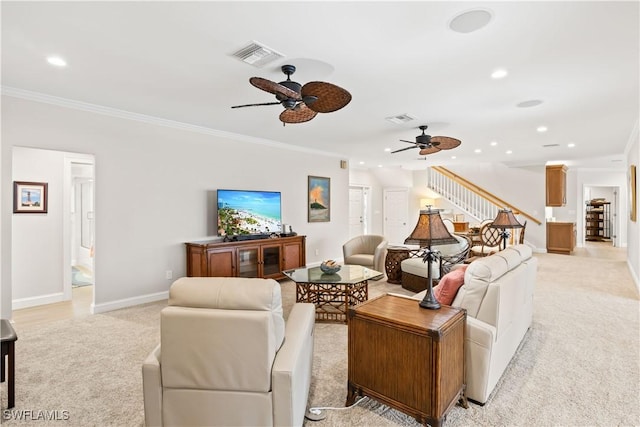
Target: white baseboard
x=128 y=302
x=17 y=304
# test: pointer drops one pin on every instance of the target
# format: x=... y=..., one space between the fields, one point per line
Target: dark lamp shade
x=505 y=219
x=430 y=230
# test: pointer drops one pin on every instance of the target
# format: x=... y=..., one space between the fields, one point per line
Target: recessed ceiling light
x=379 y=166
x=477 y=150
x=387 y=149
x=362 y=163
x=530 y=103
x=541 y=129
x=571 y=145
x=453 y=157
x=494 y=143
x=499 y=74
x=470 y=21
x=57 y=61
x=509 y=152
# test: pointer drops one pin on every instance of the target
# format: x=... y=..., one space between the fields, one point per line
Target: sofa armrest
x=152 y=388
x=479 y=341
x=291 y=373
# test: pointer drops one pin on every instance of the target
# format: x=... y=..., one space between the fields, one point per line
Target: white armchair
x=369 y=250
x=227 y=357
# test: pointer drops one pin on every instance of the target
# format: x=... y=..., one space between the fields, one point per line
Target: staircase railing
x=473 y=199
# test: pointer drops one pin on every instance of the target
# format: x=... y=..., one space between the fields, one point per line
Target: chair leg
x=11 y=363
x=3 y=353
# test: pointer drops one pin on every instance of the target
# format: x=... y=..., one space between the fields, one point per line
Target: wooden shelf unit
x=597 y=221
x=248 y=258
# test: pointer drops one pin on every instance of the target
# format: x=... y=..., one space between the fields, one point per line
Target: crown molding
x=143 y=118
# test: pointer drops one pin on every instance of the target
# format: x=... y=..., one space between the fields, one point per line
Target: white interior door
x=357 y=214
x=396 y=212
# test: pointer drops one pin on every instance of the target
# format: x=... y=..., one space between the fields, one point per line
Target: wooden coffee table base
x=332 y=300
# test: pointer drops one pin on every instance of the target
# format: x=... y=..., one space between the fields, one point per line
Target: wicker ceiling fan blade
x=256 y=105
x=300 y=114
x=403 y=149
x=274 y=88
x=429 y=150
x=330 y=97
x=445 y=142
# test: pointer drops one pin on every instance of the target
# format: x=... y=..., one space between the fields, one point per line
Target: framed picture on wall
x=633 y=194
x=30 y=197
x=319 y=199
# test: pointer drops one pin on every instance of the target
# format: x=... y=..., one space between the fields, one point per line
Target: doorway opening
x=359 y=210
x=80 y=256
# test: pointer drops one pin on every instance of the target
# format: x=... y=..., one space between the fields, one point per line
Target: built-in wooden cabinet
x=556 y=185
x=249 y=258
x=561 y=237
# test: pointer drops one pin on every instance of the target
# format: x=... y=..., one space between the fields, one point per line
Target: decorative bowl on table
x=330 y=267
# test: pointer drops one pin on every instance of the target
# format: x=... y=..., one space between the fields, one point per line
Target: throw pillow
x=449 y=284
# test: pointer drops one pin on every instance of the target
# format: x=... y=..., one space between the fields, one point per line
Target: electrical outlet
x=168 y=274
x=317 y=251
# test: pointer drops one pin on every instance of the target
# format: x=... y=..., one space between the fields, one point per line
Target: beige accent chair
x=369 y=250
x=228 y=358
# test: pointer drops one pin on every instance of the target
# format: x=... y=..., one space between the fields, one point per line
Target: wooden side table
x=395 y=255
x=8 y=337
x=407 y=357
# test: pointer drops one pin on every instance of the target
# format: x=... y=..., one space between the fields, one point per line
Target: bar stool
x=8 y=338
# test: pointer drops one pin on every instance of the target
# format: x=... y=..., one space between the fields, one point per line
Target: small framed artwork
x=633 y=194
x=30 y=197
x=319 y=199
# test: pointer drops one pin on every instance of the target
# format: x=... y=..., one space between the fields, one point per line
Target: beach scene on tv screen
x=248 y=212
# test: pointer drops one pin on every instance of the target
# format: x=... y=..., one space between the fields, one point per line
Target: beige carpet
x=578 y=365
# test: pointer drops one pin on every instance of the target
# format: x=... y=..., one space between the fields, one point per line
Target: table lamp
x=430 y=230
x=505 y=219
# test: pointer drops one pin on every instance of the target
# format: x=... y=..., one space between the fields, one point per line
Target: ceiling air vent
x=551 y=145
x=257 y=54
x=400 y=118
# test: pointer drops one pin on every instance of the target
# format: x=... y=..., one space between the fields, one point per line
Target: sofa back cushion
x=480 y=274
x=221 y=334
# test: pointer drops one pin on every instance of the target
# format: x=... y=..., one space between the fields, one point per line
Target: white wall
x=6 y=208
x=36 y=244
x=155 y=190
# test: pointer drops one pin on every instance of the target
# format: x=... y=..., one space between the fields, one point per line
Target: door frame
x=366 y=206
x=67 y=196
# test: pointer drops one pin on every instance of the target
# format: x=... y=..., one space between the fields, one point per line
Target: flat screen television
x=248 y=212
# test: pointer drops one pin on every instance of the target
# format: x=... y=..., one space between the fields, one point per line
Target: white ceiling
x=172 y=60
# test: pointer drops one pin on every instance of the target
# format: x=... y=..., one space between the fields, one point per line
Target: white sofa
x=227 y=357
x=498 y=296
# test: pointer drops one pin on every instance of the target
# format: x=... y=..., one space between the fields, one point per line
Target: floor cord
x=315 y=413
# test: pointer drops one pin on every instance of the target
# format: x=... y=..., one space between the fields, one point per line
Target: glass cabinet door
x=248 y=262
x=271 y=261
